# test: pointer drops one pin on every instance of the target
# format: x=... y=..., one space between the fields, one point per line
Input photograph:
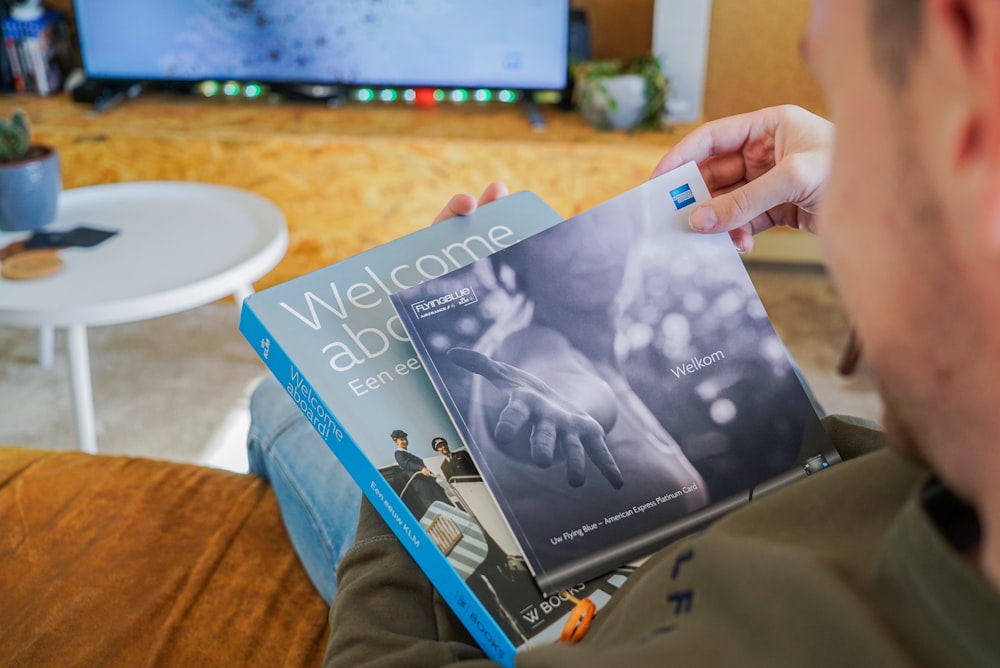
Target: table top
x=179 y=245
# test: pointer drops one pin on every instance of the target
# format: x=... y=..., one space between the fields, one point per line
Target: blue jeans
x=318 y=498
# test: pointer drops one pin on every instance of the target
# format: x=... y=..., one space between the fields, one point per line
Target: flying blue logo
x=682 y=196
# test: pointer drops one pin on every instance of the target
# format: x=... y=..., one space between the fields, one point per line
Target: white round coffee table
x=179 y=246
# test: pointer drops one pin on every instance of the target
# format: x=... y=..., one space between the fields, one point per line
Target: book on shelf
x=616 y=380
x=334 y=341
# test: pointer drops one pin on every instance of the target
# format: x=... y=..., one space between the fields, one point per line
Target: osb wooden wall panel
x=346 y=179
x=618 y=28
x=754 y=59
x=753 y=50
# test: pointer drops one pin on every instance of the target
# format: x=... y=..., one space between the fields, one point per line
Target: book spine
x=463 y=602
x=27 y=65
x=38 y=65
x=15 y=63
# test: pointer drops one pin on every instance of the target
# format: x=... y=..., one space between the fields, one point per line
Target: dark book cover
x=616 y=379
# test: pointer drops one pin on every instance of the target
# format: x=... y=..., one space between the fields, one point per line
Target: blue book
x=334 y=341
x=617 y=381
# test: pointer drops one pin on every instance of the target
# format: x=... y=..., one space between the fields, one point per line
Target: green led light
x=209 y=88
x=364 y=95
x=388 y=95
x=231 y=88
x=459 y=95
x=483 y=95
x=507 y=95
x=438 y=95
x=252 y=90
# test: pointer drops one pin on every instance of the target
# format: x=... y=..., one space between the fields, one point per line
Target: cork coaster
x=31 y=264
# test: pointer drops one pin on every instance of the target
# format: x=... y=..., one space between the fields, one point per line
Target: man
x=421 y=489
x=455 y=464
x=891 y=558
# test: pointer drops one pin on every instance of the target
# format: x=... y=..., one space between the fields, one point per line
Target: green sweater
x=845 y=568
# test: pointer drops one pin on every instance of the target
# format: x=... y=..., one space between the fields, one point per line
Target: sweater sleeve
x=386 y=613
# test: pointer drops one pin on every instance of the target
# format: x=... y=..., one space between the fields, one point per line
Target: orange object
x=424 y=97
x=578 y=624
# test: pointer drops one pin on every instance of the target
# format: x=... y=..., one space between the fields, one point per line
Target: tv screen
x=518 y=44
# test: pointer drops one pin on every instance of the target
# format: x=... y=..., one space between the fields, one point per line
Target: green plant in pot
x=30 y=178
x=621 y=94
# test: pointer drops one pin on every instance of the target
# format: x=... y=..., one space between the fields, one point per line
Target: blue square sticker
x=682 y=196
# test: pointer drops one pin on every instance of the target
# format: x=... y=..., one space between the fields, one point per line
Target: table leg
x=46 y=346
x=83 y=397
x=242 y=293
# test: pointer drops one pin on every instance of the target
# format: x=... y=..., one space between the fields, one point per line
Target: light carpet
x=174 y=387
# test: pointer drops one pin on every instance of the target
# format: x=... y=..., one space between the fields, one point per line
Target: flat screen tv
x=517 y=44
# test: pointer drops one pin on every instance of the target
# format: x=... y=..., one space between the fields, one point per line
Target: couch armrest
x=110 y=560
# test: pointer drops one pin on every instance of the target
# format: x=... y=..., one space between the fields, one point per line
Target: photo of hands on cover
x=609 y=371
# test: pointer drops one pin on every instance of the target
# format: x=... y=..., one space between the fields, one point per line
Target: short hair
x=895 y=29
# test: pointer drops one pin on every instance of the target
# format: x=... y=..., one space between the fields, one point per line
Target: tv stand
x=333 y=95
x=103 y=95
x=531 y=109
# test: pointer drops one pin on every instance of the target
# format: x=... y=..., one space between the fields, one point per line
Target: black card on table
x=82 y=237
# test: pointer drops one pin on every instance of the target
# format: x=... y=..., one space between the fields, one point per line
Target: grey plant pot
x=29 y=191
x=628 y=92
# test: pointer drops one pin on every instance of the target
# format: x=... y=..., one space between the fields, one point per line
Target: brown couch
x=122 y=561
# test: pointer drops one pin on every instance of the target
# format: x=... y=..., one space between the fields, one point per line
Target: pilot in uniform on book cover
x=421 y=489
x=455 y=464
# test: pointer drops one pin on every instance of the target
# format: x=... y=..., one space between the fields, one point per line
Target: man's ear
x=968 y=31
x=988 y=65
x=984 y=55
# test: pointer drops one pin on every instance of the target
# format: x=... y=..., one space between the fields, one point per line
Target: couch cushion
x=122 y=561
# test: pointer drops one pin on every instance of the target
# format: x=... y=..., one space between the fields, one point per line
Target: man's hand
x=554 y=421
x=764 y=169
x=463 y=204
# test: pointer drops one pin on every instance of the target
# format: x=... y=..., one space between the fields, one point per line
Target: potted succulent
x=621 y=94
x=30 y=178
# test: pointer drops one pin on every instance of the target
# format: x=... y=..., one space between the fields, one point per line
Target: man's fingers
x=464 y=204
x=493 y=192
x=742 y=238
x=738 y=207
x=723 y=172
x=458 y=205
x=726 y=135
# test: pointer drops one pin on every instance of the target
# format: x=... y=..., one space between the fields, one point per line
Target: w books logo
x=682 y=196
x=428 y=307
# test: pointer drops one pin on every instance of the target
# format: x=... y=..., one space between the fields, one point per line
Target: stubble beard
x=908 y=400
